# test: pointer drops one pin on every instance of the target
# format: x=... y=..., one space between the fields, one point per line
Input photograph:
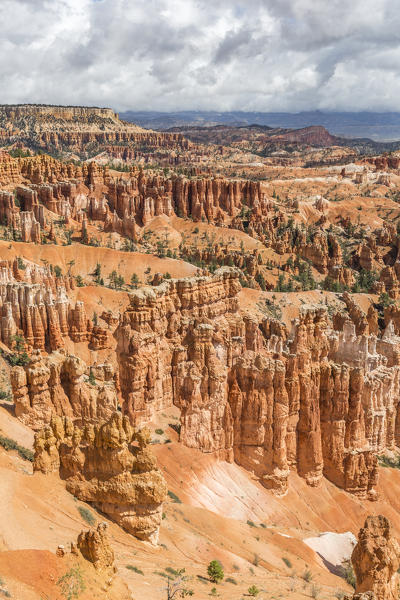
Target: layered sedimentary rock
x=58 y=384
x=376 y=560
x=75 y=128
x=109 y=465
x=145 y=197
x=316 y=400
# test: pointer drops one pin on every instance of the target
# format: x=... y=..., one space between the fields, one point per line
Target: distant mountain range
x=378 y=127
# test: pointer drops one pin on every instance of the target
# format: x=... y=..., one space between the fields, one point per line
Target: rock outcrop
x=109 y=465
x=95 y=547
x=60 y=384
x=376 y=560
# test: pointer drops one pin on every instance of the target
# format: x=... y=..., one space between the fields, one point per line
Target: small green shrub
x=160 y=573
x=21 y=264
x=386 y=461
x=92 y=379
x=348 y=573
x=231 y=580
x=307 y=575
x=87 y=515
x=159 y=431
x=71 y=584
x=174 y=497
x=135 y=569
x=19 y=359
x=9 y=444
x=287 y=562
x=253 y=591
x=171 y=571
x=251 y=524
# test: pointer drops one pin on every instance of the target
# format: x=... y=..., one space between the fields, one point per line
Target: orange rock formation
x=376 y=560
x=58 y=384
x=318 y=401
x=109 y=465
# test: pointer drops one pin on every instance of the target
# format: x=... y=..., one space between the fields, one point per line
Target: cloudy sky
x=264 y=55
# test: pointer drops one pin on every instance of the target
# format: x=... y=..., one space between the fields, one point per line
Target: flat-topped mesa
x=109 y=465
x=376 y=560
x=248 y=262
x=67 y=113
x=63 y=385
x=194 y=297
x=316 y=400
x=77 y=128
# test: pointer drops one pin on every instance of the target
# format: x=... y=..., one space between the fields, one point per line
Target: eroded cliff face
x=316 y=400
x=109 y=465
x=376 y=560
x=35 y=303
x=159 y=329
x=59 y=384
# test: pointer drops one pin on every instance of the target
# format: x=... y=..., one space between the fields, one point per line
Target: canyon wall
x=315 y=400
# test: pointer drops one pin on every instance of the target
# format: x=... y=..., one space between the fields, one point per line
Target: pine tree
x=215 y=571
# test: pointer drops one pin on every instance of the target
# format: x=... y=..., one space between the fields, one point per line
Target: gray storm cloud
x=263 y=55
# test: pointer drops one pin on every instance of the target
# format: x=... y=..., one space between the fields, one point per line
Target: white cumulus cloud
x=264 y=55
